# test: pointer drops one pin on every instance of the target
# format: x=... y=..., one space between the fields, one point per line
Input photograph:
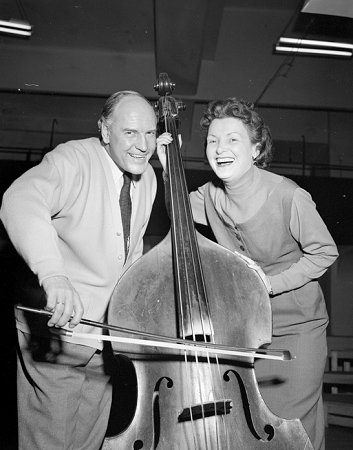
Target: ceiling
x=83 y=50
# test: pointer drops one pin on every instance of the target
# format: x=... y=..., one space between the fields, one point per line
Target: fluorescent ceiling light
x=294 y=41
x=15 y=31
x=313 y=51
x=15 y=26
x=16 y=23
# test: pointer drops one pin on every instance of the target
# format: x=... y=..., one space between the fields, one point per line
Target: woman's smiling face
x=229 y=149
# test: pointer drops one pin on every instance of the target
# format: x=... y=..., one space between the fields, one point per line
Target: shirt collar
x=116 y=172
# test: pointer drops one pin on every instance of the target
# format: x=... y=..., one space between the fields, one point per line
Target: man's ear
x=105 y=132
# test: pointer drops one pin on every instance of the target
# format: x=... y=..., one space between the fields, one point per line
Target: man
x=64 y=219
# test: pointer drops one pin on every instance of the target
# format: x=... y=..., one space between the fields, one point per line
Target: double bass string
x=190 y=254
x=201 y=294
x=181 y=272
x=177 y=261
x=198 y=288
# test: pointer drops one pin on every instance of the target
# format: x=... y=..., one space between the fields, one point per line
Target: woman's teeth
x=224 y=161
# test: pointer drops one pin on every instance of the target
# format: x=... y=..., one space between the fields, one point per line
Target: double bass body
x=192 y=288
x=192 y=402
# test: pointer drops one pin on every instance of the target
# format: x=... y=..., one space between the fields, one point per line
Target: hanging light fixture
x=16 y=27
x=318 y=34
x=313 y=47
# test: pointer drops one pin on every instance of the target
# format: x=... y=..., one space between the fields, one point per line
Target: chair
x=338 y=382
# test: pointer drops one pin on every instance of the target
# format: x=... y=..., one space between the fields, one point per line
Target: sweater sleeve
x=27 y=208
x=319 y=249
x=197 y=201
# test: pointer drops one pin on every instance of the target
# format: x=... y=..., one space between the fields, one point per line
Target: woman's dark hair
x=259 y=132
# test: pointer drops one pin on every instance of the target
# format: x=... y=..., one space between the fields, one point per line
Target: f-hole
x=124 y=398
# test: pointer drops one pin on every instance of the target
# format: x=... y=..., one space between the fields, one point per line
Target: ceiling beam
x=179 y=36
x=342 y=8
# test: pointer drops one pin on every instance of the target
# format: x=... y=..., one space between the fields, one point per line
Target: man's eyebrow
x=154 y=130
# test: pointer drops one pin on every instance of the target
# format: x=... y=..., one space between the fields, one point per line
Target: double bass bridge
x=205 y=410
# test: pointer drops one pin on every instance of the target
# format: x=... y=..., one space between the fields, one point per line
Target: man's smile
x=136 y=156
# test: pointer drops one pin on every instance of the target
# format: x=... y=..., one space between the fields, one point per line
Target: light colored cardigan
x=63 y=218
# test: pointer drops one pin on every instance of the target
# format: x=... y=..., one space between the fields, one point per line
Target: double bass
x=193 y=290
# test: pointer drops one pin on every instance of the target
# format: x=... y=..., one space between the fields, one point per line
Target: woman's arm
x=319 y=249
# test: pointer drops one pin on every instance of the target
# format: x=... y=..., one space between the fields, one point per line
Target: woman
x=270 y=219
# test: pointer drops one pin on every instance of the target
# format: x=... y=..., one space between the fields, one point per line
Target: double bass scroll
x=190 y=288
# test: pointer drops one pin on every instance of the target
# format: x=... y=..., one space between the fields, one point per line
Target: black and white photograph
x=176 y=224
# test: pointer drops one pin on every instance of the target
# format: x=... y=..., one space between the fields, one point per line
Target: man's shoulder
x=74 y=150
x=78 y=145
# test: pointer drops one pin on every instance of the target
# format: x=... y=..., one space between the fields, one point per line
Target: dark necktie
x=125 y=209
